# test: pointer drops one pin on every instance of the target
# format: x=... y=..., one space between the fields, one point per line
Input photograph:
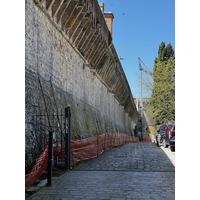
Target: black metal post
x=97 y=143
x=67 y=138
x=50 y=158
x=61 y=137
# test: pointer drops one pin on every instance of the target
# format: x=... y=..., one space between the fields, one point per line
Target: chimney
x=108 y=17
x=102 y=7
x=109 y=20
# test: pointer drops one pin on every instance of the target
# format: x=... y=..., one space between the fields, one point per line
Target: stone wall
x=57 y=74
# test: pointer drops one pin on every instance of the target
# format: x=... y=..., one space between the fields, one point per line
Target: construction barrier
x=81 y=149
x=92 y=147
x=38 y=169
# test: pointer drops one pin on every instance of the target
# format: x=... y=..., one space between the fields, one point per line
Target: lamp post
x=141 y=103
x=141 y=97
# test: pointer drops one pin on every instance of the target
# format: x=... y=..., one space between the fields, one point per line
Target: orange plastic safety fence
x=81 y=149
x=91 y=147
x=38 y=169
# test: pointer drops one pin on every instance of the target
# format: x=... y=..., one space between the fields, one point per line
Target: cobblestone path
x=131 y=171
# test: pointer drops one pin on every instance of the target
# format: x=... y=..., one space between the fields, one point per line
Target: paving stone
x=92 y=180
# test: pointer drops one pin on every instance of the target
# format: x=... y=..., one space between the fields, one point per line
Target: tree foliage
x=163 y=94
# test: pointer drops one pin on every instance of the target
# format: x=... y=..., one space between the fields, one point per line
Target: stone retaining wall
x=57 y=75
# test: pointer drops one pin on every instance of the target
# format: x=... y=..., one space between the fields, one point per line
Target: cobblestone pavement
x=131 y=171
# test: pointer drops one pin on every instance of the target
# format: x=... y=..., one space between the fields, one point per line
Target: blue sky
x=139 y=27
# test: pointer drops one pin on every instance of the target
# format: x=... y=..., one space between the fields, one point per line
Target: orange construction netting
x=38 y=169
x=91 y=147
x=81 y=149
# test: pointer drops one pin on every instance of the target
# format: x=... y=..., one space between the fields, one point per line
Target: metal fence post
x=67 y=138
x=50 y=158
x=61 y=137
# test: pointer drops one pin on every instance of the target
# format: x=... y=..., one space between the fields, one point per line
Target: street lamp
x=141 y=97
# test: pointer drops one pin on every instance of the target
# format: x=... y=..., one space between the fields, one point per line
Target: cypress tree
x=163 y=94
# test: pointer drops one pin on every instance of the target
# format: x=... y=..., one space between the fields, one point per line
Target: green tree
x=163 y=93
